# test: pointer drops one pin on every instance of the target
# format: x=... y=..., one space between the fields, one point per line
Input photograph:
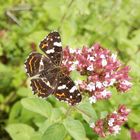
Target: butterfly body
x=47 y=76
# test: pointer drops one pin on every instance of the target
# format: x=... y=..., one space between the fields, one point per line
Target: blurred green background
x=115 y=24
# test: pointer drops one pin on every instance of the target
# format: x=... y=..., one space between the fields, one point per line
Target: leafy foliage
x=54 y=132
x=114 y=24
x=37 y=105
x=75 y=128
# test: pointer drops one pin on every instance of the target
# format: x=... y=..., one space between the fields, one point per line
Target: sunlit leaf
x=55 y=132
x=87 y=111
x=75 y=129
x=37 y=105
x=20 y=131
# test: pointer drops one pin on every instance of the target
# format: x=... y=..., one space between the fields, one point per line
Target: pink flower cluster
x=101 y=68
x=135 y=135
x=112 y=123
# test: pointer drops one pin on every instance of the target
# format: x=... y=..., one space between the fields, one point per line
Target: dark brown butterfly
x=46 y=74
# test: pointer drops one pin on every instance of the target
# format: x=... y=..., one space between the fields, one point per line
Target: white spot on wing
x=50 y=51
x=41 y=67
x=41 y=62
x=73 y=89
x=58 y=44
x=62 y=87
x=78 y=94
x=48 y=84
x=67 y=99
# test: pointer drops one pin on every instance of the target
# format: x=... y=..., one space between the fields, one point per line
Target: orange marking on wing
x=60 y=95
x=72 y=100
x=35 y=85
x=30 y=63
x=35 y=61
x=44 y=45
x=38 y=91
x=41 y=86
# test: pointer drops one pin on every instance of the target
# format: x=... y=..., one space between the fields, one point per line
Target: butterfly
x=46 y=74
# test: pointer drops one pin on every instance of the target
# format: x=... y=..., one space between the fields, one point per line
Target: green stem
x=9 y=99
x=68 y=111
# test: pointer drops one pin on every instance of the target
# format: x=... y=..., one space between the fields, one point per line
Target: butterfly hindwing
x=41 y=87
x=52 y=47
x=46 y=83
x=67 y=91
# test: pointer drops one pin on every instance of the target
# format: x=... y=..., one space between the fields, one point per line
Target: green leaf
x=36 y=36
x=136 y=39
x=54 y=132
x=20 y=114
x=124 y=134
x=134 y=117
x=87 y=112
x=75 y=129
x=14 y=113
x=44 y=126
x=103 y=114
x=56 y=115
x=23 y=91
x=36 y=136
x=37 y=105
x=55 y=12
x=20 y=131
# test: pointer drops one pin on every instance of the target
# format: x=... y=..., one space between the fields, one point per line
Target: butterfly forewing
x=36 y=63
x=32 y=64
x=67 y=91
x=52 y=47
x=43 y=73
